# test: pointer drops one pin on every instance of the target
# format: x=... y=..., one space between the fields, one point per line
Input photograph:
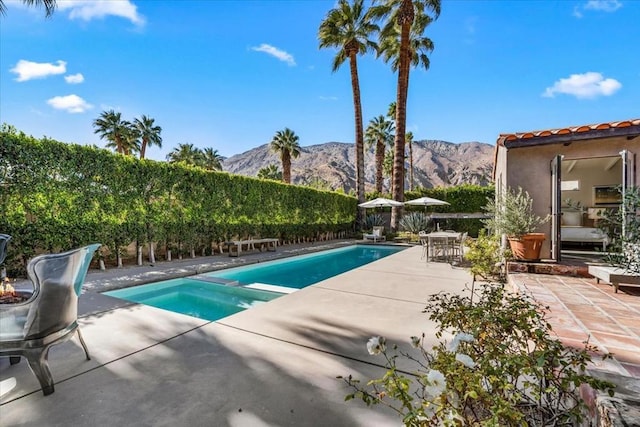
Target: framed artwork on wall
x=606 y=195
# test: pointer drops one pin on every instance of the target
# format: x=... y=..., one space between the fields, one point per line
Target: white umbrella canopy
x=380 y=202
x=426 y=201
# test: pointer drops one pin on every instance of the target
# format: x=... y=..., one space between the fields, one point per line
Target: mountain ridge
x=436 y=163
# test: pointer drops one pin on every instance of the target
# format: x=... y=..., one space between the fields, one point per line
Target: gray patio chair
x=50 y=315
x=4 y=239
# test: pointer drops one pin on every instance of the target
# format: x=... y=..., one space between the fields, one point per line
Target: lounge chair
x=50 y=315
x=376 y=235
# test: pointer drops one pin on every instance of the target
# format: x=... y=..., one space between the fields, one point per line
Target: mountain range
x=436 y=164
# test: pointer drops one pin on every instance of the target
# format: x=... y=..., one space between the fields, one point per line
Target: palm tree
x=149 y=133
x=270 y=172
x=285 y=142
x=49 y=6
x=402 y=42
x=409 y=140
x=211 y=159
x=348 y=27
x=130 y=138
x=185 y=153
x=111 y=127
x=380 y=133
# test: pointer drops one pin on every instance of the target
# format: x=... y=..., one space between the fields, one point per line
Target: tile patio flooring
x=580 y=309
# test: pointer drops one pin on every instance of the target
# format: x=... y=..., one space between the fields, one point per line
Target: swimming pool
x=304 y=270
x=218 y=294
x=197 y=298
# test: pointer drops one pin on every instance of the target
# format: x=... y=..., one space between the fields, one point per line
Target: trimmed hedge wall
x=56 y=196
x=463 y=198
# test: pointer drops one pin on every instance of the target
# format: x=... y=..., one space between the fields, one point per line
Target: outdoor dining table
x=440 y=244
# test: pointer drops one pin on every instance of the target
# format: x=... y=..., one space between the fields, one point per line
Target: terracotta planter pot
x=527 y=248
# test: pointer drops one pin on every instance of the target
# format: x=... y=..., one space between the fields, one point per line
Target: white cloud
x=577 y=12
x=70 y=104
x=598 y=6
x=74 y=78
x=87 y=10
x=275 y=52
x=603 y=5
x=28 y=70
x=328 y=98
x=587 y=85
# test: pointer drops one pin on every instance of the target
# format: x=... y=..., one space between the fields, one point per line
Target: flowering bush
x=501 y=368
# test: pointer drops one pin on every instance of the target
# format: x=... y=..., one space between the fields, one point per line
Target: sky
x=229 y=74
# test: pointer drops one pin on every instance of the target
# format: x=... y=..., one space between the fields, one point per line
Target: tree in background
x=348 y=27
x=49 y=6
x=116 y=131
x=270 y=172
x=149 y=133
x=402 y=43
x=409 y=140
x=379 y=132
x=185 y=153
x=211 y=159
x=285 y=143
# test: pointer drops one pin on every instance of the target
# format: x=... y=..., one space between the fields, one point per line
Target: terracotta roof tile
x=521 y=136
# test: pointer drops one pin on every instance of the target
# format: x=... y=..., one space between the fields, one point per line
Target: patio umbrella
x=426 y=201
x=380 y=202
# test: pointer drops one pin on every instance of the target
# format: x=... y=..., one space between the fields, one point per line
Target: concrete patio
x=276 y=364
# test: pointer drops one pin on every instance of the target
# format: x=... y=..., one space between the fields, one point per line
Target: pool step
x=271 y=288
x=218 y=280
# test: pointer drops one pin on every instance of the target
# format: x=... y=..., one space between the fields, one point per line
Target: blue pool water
x=209 y=301
x=301 y=271
x=200 y=296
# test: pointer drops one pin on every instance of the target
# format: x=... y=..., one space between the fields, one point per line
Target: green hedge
x=462 y=198
x=57 y=196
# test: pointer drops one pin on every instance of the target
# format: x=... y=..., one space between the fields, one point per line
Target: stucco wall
x=530 y=168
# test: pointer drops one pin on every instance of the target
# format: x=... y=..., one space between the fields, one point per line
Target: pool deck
x=276 y=364
x=273 y=365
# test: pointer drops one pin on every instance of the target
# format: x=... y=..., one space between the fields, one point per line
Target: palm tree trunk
x=380 y=148
x=405 y=19
x=286 y=167
x=410 y=166
x=357 y=109
x=143 y=148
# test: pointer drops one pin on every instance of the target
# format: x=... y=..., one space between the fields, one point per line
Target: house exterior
x=559 y=168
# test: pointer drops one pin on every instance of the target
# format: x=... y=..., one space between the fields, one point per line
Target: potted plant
x=513 y=215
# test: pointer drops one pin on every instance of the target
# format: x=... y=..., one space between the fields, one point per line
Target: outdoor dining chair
x=457 y=247
x=50 y=315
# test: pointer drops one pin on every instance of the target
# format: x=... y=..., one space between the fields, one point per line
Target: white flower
x=460 y=337
x=436 y=383
x=415 y=342
x=376 y=345
x=465 y=360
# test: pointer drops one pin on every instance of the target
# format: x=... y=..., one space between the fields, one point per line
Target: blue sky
x=229 y=74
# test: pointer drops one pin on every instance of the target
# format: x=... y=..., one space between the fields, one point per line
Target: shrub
x=513 y=214
x=485 y=254
x=624 y=250
x=414 y=222
x=502 y=367
x=373 y=220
